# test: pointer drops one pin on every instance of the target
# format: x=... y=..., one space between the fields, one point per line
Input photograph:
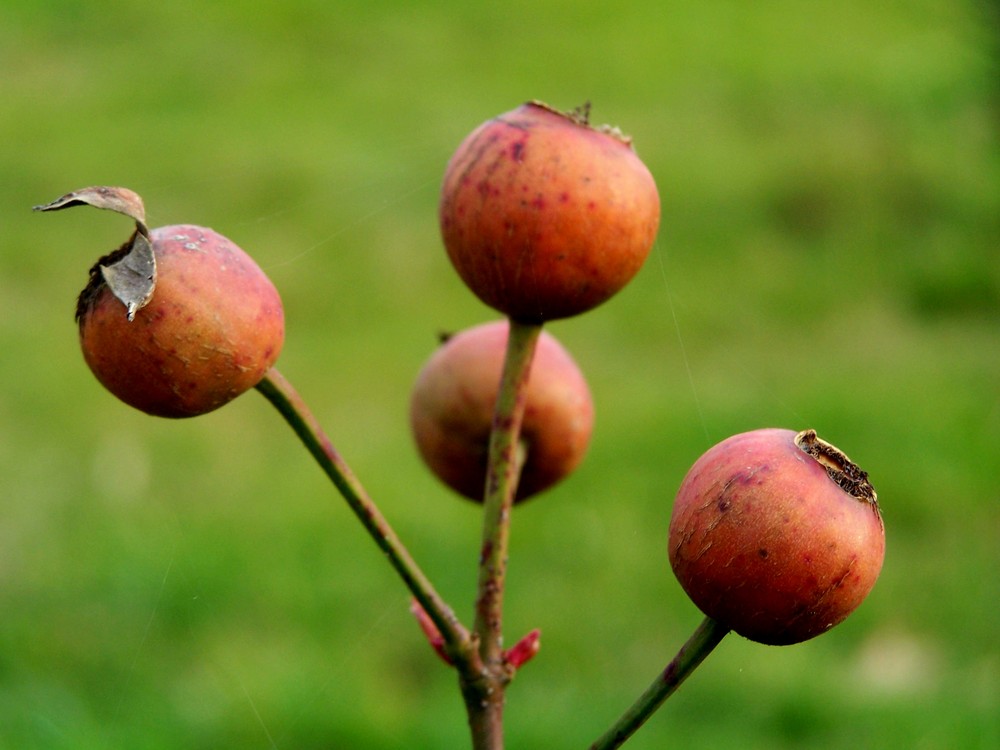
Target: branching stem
x=484 y=693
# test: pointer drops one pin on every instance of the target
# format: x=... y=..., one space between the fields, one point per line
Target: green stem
x=705 y=638
x=484 y=695
x=287 y=401
x=501 y=485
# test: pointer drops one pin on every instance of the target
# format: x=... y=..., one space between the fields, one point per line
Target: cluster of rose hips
x=775 y=534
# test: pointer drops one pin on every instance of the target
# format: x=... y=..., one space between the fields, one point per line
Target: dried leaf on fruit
x=130 y=271
x=132 y=279
x=118 y=199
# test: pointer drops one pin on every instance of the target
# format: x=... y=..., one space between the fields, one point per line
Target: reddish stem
x=484 y=693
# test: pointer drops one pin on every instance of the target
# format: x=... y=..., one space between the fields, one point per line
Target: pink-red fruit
x=776 y=535
x=452 y=402
x=544 y=216
x=213 y=326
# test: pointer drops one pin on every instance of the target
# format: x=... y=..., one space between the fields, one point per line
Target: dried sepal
x=845 y=473
x=130 y=271
x=118 y=199
x=133 y=278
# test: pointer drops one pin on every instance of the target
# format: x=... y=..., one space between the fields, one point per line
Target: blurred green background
x=829 y=257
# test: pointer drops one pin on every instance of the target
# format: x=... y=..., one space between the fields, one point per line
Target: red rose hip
x=452 y=403
x=776 y=535
x=544 y=216
x=210 y=330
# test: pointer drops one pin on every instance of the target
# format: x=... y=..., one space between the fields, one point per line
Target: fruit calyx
x=130 y=271
x=581 y=116
x=845 y=473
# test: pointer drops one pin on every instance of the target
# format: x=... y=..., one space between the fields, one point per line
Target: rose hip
x=544 y=216
x=211 y=329
x=452 y=402
x=776 y=535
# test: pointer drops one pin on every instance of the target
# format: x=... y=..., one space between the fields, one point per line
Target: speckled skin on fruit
x=451 y=411
x=766 y=543
x=213 y=327
x=544 y=217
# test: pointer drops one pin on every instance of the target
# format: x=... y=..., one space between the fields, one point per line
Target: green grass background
x=829 y=257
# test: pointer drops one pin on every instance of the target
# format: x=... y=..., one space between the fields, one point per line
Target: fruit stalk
x=287 y=401
x=484 y=696
x=705 y=638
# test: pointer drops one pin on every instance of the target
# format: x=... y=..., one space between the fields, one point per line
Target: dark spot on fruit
x=517 y=151
x=724 y=504
x=762 y=553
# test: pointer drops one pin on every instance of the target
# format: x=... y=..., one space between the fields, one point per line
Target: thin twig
x=287 y=401
x=705 y=638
